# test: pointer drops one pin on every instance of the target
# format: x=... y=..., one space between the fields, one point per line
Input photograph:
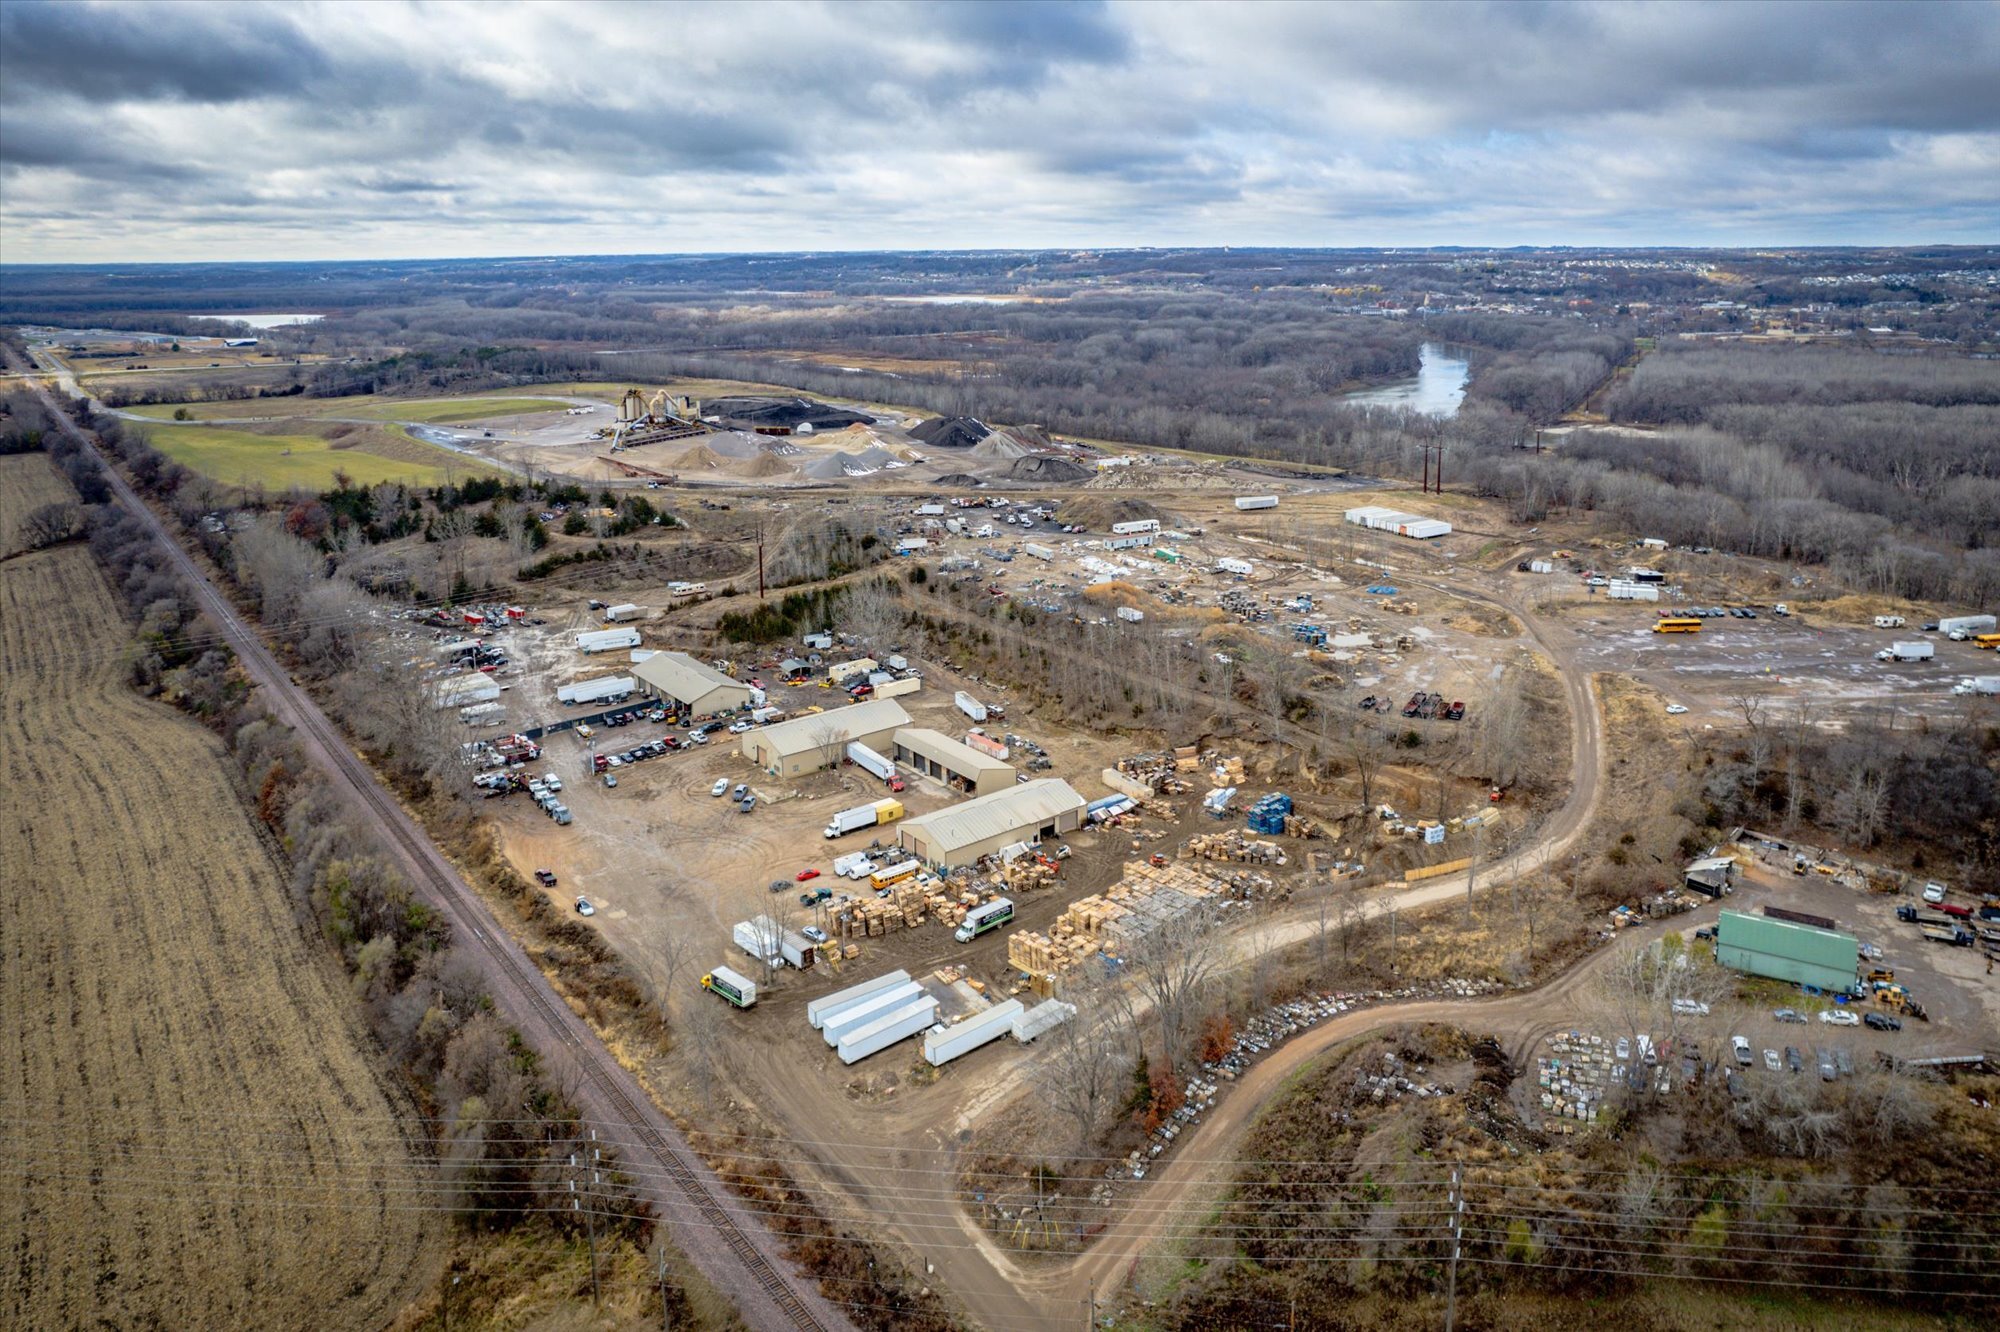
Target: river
x=1437 y=390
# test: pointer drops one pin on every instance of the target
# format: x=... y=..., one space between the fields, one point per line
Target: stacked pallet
x=1227 y=771
x=1231 y=845
x=1297 y=826
x=1026 y=874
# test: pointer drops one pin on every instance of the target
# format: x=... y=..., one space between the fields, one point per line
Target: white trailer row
x=824 y=1007
x=1377 y=518
x=903 y=1023
x=944 y=1044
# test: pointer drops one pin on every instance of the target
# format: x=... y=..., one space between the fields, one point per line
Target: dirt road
x=723 y=1238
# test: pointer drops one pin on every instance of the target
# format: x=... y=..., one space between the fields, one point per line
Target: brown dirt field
x=27 y=482
x=198 y=1136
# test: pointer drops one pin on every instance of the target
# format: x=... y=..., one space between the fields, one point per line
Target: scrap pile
x=1230 y=844
x=1025 y=874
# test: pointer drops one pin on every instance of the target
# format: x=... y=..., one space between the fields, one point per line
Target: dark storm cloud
x=178 y=130
x=180 y=52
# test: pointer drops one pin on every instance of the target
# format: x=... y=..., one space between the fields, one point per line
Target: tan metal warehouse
x=820 y=739
x=981 y=827
x=952 y=762
x=700 y=688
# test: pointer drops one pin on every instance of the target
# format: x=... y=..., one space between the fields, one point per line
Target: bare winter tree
x=49 y=525
x=1081 y=1073
x=830 y=739
x=1174 y=965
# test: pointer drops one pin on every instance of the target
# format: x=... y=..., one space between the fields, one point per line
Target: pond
x=1437 y=390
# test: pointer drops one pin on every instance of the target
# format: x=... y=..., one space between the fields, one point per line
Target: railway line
x=730 y=1247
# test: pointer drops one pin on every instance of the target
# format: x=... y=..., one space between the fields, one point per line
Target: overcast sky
x=240 y=131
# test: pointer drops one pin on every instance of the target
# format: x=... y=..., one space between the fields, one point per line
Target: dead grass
x=209 y=1145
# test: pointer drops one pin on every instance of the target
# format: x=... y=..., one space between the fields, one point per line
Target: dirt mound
x=700 y=456
x=834 y=466
x=735 y=444
x=999 y=448
x=782 y=412
x=1031 y=435
x=1099 y=512
x=952 y=432
x=1049 y=468
x=768 y=464
x=875 y=455
x=959 y=479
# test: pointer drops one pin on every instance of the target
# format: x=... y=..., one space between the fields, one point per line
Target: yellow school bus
x=1677 y=624
x=1986 y=640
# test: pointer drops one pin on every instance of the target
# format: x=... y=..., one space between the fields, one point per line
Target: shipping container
x=944 y=1044
x=819 y=1010
x=897 y=1026
x=867 y=1010
x=464 y=693
x=1131 y=614
x=482 y=714
x=627 y=611
x=798 y=951
x=1247 y=502
x=760 y=938
x=1619 y=590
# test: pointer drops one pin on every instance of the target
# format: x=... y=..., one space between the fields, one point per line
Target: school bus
x=1677 y=624
x=1986 y=640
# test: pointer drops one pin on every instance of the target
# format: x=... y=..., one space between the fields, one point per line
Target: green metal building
x=1802 y=954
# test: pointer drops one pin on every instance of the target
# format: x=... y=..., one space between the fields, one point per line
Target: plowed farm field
x=195 y=1133
x=27 y=482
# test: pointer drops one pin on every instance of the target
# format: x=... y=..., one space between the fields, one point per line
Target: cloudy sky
x=178 y=131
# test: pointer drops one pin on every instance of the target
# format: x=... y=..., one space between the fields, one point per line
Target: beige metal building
x=696 y=686
x=820 y=739
x=1031 y=811
x=953 y=762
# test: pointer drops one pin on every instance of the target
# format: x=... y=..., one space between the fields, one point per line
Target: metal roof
x=1767 y=947
x=1001 y=814
x=802 y=734
x=680 y=676
x=960 y=757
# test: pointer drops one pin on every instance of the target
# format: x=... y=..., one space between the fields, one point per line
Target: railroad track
x=529 y=988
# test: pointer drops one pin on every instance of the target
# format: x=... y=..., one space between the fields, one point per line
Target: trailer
x=1920 y=650
x=1042 y=1018
x=1541 y=567
x=969 y=705
x=465 y=693
x=1130 y=614
x=604 y=689
x=738 y=989
x=626 y=611
x=880 y=1035
x=861 y=756
x=482 y=714
x=1245 y=503
x=798 y=951
x=986 y=744
x=819 y=1010
x=1961 y=627
x=818 y=642
x=607 y=640
x=1620 y=590
x=759 y=937
x=944 y=1044
x=1132 y=542
x=1040 y=552
x=897 y=688
x=1231 y=565
x=863 y=816
x=459 y=647
x=1136 y=526
x=1889 y=622
x=869 y=1009
x=843 y=671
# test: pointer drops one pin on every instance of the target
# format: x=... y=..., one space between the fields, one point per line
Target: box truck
x=1978 y=684
x=969 y=705
x=980 y=919
x=863 y=816
x=1922 y=650
x=737 y=989
x=1961 y=627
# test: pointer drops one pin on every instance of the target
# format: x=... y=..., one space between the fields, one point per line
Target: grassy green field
x=446 y=411
x=252 y=408
x=279 y=462
x=373 y=407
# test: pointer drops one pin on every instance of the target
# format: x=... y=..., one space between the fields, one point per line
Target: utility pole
x=666 y=1312
x=760 y=559
x=1457 y=1232
x=589 y=1220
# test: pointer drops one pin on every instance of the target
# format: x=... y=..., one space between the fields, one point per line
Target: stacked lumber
x=1228 y=771
x=1298 y=826
x=1026 y=874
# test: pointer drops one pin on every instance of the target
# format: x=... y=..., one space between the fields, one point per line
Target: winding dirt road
x=723 y=1238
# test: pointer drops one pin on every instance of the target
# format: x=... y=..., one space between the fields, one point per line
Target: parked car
x=1882 y=1022
x=1690 y=1008
x=546 y=878
x=1792 y=1060
x=1771 y=1061
x=1839 y=1017
x=749 y=803
x=814 y=933
x=742 y=789
x=805 y=874
x=1741 y=1048
x=584 y=908
x=1789 y=1015
x=738 y=728
x=1676 y=709
x=1624 y=1049
x=611 y=779
x=1827 y=1071
x=1933 y=893
x=721 y=787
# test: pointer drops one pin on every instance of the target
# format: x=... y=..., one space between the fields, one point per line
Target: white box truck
x=819 y=1010
x=880 y=1035
x=969 y=705
x=738 y=989
x=863 y=816
x=1961 y=627
x=944 y=1044
x=1922 y=650
x=1978 y=684
x=861 y=756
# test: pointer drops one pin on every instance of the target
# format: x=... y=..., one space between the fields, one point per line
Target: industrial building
x=702 y=690
x=1032 y=811
x=1712 y=876
x=1781 y=950
x=820 y=739
x=1381 y=519
x=953 y=762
